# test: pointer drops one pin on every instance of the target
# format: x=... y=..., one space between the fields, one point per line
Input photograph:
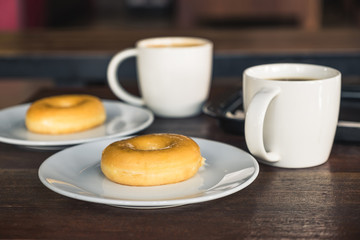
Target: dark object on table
x=228 y=109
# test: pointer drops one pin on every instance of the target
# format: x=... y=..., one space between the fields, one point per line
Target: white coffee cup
x=291 y=113
x=174 y=75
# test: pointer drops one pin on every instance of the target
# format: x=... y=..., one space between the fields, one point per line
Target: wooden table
x=317 y=203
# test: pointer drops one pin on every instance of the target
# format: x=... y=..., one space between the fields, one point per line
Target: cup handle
x=254 y=123
x=113 y=80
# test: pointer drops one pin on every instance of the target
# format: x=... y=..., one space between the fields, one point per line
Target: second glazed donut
x=65 y=114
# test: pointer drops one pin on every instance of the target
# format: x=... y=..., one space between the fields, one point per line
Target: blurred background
x=35 y=33
x=22 y=15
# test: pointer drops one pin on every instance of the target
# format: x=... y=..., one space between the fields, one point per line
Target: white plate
x=122 y=120
x=75 y=172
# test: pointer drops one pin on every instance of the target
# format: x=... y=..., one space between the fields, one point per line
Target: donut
x=65 y=114
x=151 y=160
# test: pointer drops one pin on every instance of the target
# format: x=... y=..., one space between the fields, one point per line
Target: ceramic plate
x=75 y=172
x=122 y=120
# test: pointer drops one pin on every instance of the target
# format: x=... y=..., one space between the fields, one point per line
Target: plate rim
x=144 y=204
x=43 y=143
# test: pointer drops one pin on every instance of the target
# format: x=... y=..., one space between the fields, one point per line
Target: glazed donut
x=65 y=114
x=150 y=160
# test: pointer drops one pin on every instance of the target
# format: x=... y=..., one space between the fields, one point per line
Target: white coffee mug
x=291 y=113
x=174 y=75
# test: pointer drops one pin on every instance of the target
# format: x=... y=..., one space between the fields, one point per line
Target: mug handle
x=254 y=123
x=113 y=80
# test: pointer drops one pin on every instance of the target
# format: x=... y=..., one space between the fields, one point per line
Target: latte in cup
x=175 y=45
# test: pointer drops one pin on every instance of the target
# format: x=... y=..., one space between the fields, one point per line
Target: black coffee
x=293 y=79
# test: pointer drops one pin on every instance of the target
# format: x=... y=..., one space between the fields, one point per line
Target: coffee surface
x=175 y=45
x=293 y=79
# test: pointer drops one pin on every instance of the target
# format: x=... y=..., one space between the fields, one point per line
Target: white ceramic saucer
x=122 y=120
x=75 y=172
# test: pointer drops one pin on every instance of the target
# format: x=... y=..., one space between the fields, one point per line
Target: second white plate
x=122 y=120
x=75 y=172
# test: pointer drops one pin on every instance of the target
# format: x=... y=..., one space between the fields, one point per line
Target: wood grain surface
x=316 y=203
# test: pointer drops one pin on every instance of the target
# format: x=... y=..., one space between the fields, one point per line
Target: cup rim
x=328 y=72
x=143 y=43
